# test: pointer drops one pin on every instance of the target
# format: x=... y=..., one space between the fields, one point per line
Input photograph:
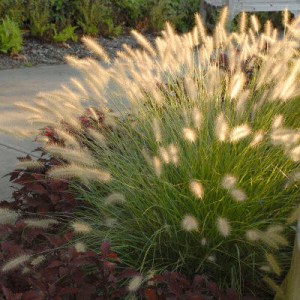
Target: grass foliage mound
x=189 y=159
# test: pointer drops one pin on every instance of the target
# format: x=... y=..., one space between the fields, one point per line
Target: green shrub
x=39 y=17
x=14 y=9
x=133 y=10
x=197 y=166
x=68 y=33
x=95 y=16
x=63 y=13
x=10 y=36
x=177 y=12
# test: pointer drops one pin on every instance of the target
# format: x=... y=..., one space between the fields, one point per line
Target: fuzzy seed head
x=83 y=173
x=197 y=189
x=197 y=118
x=173 y=150
x=82 y=228
x=29 y=164
x=273 y=264
x=135 y=283
x=164 y=155
x=265 y=268
x=240 y=132
x=189 y=223
x=211 y=258
x=221 y=128
x=110 y=222
x=295 y=154
x=255 y=23
x=8 y=216
x=40 y=223
x=189 y=135
x=157 y=165
x=257 y=138
x=114 y=199
x=38 y=260
x=203 y=242
x=229 y=182
x=15 y=263
x=80 y=247
x=92 y=45
x=223 y=226
x=157 y=131
x=252 y=235
x=238 y=195
x=277 y=122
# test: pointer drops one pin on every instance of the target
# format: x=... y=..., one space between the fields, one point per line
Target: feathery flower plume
x=239 y=132
x=82 y=173
x=15 y=263
x=243 y=22
x=80 y=247
x=277 y=289
x=67 y=137
x=253 y=235
x=135 y=283
x=29 y=164
x=98 y=137
x=277 y=122
x=255 y=23
x=189 y=223
x=93 y=46
x=273 y=264
x=157 y=131
x=38 y=260
x=110 y=222
x=191 y=88
x=238 y=195
x=197 y=118
x=229 y=182
x=294 y=217
x=197 y=189
x=173 y=150
x=8 y=216
x=223 y=226
x=203 y=242
x=157 y=165
x=40 y=223
x=286 y=18
x=80 y=227
x=265 y=268
x=268 y=28
x=295 y=154
x=115 y=198
x=189 y=135
x=163 y=152
x=223 y=16
x=143 y=42
x=237 y=84
x=77 y=84
x=201 y=27
x=221 y=128
x=212 y=258
x=75 y=156
x=257 y=138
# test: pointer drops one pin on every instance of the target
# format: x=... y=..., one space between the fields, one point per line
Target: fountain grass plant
x=195 y=163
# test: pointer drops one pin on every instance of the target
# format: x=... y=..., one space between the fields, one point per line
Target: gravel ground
x=36 y=52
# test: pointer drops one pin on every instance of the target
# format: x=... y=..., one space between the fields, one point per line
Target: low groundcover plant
x=195 y=165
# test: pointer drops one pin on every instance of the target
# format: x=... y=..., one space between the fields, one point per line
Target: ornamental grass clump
x=188 y=150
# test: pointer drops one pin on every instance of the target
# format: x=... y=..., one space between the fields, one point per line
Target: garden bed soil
x=36 y=52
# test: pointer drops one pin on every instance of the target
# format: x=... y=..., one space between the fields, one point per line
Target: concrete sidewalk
x=23 y=85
